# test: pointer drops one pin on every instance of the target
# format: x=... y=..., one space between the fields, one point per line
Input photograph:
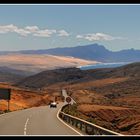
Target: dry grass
x=90 y=108
x=97 y=83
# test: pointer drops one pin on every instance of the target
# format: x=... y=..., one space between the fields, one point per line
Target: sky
x=33 y=27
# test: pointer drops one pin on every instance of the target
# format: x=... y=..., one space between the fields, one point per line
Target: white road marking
x=25 y=127
x=67 y=124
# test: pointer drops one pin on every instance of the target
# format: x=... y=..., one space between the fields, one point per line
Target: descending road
x=34 y=121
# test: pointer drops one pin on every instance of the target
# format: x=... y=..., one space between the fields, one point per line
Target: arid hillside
x=119 y=119
x=52 y=77
x=22 y=99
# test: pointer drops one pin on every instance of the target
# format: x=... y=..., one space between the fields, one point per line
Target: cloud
x=22 y=32
x=33 y=30
x=97 y=37
x=44 y=33
x=79 y=36
x=63 y=33
x=12 y=28
x=8 y=28
x=36 y=31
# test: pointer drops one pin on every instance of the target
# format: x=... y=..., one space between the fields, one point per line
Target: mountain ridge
x=94 y=52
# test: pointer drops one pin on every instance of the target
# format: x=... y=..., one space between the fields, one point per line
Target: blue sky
x=24 y=27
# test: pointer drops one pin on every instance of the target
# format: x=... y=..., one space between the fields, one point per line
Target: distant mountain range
x=90 y=52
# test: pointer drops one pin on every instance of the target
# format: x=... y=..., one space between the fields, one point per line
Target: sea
x=103 y=65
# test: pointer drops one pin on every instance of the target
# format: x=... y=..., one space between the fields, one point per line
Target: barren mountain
x=90 y=52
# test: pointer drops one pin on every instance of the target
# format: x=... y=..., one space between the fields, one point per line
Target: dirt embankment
x=21 y=98
x=119 y=119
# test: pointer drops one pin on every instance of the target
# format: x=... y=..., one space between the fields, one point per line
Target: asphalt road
x=34 y=121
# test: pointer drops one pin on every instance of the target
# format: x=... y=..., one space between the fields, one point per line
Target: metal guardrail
x=86 y=127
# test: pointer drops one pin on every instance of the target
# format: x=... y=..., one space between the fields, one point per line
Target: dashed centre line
x=25 y=126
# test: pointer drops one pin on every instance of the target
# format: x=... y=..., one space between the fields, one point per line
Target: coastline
x=103 y=65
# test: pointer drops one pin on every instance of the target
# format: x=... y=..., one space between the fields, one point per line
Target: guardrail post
x=76 y=124
x=97 y=132
x=88 y=129
x=92 y=131
x=72 y=122
x=69 y=119
x=85 y=128
x=65 y=118
x=81 y=125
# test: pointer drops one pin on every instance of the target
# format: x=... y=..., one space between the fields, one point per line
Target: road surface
x=34 y=121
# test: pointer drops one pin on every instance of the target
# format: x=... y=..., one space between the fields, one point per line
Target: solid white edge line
x=67 y=124
x=25 y=127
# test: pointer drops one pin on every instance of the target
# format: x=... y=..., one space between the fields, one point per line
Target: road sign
x=5 y=94
x=68 y=99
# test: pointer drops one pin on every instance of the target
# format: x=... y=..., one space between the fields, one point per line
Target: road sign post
x=68 y=100
x=5 y=94
x=8 y=109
